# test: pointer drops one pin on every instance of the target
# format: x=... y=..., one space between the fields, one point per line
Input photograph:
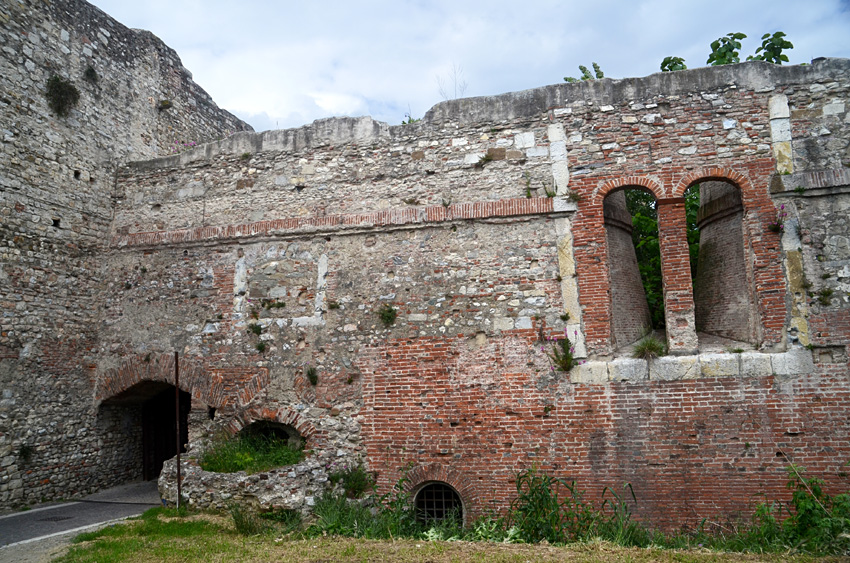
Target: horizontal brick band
x=404 y=216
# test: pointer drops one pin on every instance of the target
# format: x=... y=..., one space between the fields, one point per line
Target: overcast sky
x=279 y=64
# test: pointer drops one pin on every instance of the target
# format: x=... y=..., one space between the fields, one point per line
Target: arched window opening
x=436 y=502
x=723 y=300
x=634 y=265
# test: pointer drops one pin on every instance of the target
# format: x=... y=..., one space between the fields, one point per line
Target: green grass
x=250 y=453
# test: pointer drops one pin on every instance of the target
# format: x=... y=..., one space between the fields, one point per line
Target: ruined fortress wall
x=307 y=233
x=56 y=205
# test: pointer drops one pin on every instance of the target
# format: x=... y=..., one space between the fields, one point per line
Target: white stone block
x=524 y=140
x=558 y=150
x=562 y=111
x=780 y=130
x=777 y=107
x=834 y=108
x=755 y=364
x=561 y=175
x=524 y=322
x=503 y=323
x=590 y=373
x=556 y=133
x=729 y=123
x=561 y=204
x=537 y=152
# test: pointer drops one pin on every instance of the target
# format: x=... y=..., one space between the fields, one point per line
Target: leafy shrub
x=61 y=95
x=252 y=453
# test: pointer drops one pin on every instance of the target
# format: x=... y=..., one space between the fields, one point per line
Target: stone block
x=777 y=107
x=782 y=154
x=780 y=130
x=834 y=108
x=796 y=361
x=755 y=364
x=556 y=133
x=627 y=369
x=719 y=365
x=524 y=140
x=590 y=373
x=671 y=368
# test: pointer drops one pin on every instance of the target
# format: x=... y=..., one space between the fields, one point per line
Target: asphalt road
x=23 y=532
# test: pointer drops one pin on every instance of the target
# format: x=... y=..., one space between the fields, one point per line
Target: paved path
x=42 y=532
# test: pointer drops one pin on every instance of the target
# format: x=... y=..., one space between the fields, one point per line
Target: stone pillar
x=676 y=272
x=723 y=304
x=630 y=318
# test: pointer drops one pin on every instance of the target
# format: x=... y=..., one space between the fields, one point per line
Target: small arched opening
x=437 y=502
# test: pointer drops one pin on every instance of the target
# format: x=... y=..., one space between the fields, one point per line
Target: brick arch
x=283 y=415
x=424 y=474
x=719 y=174
x=630 y=182
x=155 y=367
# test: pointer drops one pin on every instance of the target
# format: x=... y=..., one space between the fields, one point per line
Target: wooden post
x=177 y=421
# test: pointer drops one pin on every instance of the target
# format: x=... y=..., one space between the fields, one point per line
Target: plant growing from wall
x=356 y=481
x=671 y=64
x=724 y=50
x=771 y=48
x=91 y=74
x=312 y=375
x=778 y=224
x=562 y=354
x=61 y=95
x=387 y=313
x=585 y=73
x=648 y=348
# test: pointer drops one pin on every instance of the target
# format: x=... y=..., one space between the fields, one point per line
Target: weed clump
x=648 y=348
x=387 y=314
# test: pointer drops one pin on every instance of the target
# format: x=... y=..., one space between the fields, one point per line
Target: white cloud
x=284 y=64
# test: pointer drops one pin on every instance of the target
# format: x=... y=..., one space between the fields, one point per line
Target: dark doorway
x=159 y=432
x=150 y=412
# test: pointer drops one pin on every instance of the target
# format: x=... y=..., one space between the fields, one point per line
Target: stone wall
x=308 y=233
x=56 y=206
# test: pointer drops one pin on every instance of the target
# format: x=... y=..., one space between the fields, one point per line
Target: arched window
x=723 y=295
x=436 y=502
x=634 y=265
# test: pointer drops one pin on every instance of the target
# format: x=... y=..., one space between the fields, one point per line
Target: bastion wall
x=259 y=256
x=57 y=178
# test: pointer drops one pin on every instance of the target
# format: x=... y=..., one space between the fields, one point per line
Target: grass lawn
x=163 y=535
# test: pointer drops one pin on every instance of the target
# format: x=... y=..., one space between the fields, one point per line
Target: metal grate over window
x=437 y=502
